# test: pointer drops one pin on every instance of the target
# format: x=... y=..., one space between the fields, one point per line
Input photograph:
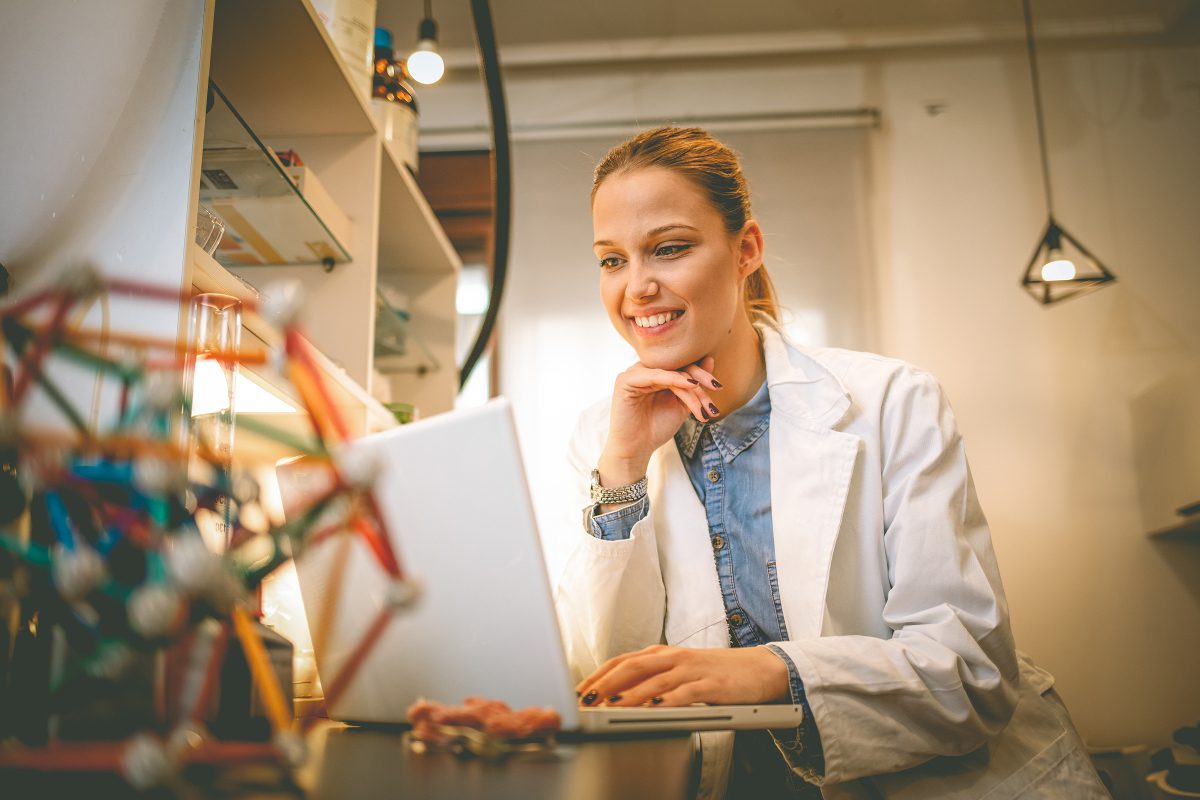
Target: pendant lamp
x=1061 y=267
x=426 y=64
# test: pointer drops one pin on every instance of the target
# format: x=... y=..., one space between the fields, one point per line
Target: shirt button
x=718 y=542
x=736 y=618
x=713 y=476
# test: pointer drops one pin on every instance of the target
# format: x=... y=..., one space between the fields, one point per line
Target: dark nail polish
x=693 y=382
x=589 y=698
x=716 y=384
x=713 y=409
x=616 y=698
x=703 y=413
x=655 y=700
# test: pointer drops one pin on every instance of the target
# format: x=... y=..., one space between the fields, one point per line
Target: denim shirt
x=729 y=463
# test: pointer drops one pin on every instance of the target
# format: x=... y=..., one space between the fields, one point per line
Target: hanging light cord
x=428 y=9
x=485 y=35
x=1037 y=105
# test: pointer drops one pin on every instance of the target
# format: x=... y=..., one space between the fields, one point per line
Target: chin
x=671 y=358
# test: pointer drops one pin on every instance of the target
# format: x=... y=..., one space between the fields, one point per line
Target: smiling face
x=671 y=275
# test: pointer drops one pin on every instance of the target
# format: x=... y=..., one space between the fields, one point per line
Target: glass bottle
x=395 y=102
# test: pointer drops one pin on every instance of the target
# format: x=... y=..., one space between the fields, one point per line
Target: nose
x=642 y=284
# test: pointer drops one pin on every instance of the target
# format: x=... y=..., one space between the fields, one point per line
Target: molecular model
x=101 y=548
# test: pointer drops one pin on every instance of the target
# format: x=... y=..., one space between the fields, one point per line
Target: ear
x=750 y=249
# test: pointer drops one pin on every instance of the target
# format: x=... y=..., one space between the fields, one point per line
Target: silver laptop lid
x=452 y=490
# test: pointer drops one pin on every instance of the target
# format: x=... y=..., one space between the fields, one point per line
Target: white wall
x=1043 y=395
x=100 y=174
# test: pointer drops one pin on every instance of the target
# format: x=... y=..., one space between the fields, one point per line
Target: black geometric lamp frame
x=1047 y=292
x=1082 y=281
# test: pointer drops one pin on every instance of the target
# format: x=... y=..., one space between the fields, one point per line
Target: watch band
x=616 y=494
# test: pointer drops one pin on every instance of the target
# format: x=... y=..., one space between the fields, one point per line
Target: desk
x=351 y=763
x=364 y=763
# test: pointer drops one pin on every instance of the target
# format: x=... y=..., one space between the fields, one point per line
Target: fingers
x=622 y=672
x=703 y=375
x=690 y=390
x=698 y=691
x=693 y=403
x=661 y=685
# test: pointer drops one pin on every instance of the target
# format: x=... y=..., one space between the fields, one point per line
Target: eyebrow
x=655 y=232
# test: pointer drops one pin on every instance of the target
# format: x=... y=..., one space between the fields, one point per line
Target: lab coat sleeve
x=610 y=598
x=946 y=680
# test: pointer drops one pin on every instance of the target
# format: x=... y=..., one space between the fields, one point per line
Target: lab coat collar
x=801 y=387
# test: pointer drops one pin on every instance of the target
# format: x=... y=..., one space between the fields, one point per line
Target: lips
x=657 y=324
x=651 y=321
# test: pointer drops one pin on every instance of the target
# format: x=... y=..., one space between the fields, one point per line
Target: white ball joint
x=403 y=593
x=282 y=302
x=188 y=736
x=191 y=564
x=357 y=469
x=200 y=572
x=76 y=572
x=154 y=475
x=154 y=610
x=277 y=360
x=111 y=662
x=291 y=747
x=145 y=763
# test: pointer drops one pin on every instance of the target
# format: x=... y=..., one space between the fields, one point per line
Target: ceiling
x=544 y=24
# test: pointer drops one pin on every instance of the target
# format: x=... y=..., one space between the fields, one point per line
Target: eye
x=611 y=262
x=671 y=250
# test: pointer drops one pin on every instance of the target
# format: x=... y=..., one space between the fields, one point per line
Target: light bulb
x=1058 y=268
x=425 y=65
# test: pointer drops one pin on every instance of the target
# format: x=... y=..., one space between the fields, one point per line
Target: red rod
x=297 y=348
x=379 y=546
x=31 y=361
x=356 y=659
x=210 y=674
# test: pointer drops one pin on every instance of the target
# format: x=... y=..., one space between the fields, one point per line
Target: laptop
x=453 y=493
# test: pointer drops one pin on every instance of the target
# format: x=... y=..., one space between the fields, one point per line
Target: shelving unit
x=276 y=63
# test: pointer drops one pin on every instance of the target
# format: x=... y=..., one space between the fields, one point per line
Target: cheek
x=611 y=294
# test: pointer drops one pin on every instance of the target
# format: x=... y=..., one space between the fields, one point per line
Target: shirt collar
x=732 y=434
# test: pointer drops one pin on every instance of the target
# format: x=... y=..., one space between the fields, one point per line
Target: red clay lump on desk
x=493 y=717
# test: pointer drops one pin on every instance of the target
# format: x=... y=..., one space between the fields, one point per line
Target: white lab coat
x=887 y=578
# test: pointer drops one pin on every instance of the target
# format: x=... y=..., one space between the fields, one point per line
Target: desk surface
x=364 y=763
x=348 y=763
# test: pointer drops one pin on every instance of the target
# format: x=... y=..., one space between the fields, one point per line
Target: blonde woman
x=775 y=523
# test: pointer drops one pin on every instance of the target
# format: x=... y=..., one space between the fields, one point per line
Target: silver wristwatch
x=618 y=494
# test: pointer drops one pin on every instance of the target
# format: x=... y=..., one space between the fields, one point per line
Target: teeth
x=657 y=319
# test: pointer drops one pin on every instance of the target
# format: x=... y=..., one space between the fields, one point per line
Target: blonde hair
x=695 y=154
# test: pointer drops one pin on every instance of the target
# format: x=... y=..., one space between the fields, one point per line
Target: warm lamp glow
x=425 y=65
x=1058 y=268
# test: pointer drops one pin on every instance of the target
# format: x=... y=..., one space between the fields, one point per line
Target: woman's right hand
x=648 y=406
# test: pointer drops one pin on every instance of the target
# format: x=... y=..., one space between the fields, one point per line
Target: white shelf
x=278 y=65
x=411 y=240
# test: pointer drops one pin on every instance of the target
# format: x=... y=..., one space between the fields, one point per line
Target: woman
x=772 y=523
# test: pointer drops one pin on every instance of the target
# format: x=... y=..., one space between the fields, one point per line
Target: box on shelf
x=265 y=221
x=321 y=203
